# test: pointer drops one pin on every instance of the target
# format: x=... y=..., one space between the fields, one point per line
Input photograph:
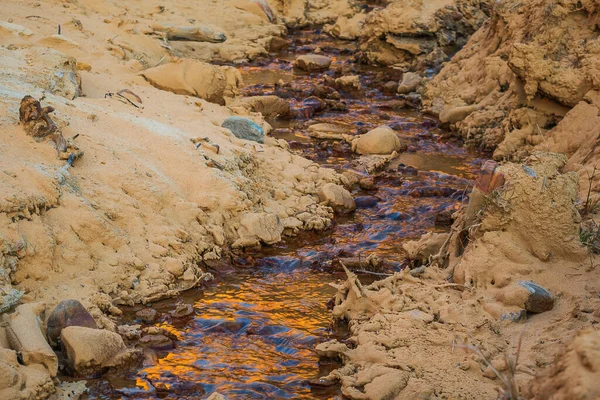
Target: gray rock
x=539 y=299
x=67 y=313
x=243 y=128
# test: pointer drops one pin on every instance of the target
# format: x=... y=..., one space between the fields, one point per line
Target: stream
x=254 y=330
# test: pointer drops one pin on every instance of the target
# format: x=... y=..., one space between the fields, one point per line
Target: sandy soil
x=136 y=215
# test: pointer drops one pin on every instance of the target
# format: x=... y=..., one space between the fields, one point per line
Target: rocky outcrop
x=511 y=86
x=417 y=35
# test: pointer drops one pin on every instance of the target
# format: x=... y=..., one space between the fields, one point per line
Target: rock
x=419 y=251
x=410 y=83
x=390 y=87
x=349 y=83
x=366 y=183
x=130 y=332
x=67 y=313
x=10 y=298
x=200 y=33
x=264 y=227
x=312 y=62
x=195 y=78
x=156 y=342
x=243 y=128
x=182 y=311
x=216 y=396
x=381 y=140
x=337 y=198
x=25 y=336
x=526 y=295
x=278 y=44
x=147 y=315
x=452 y=115
x=539 y=299
x=347 y=28
x=366 y=201
x=18 y=381
x=270 y=106
x=328 y=131
x=90 y=351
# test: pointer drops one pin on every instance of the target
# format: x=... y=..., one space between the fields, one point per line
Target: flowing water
x=254 y=331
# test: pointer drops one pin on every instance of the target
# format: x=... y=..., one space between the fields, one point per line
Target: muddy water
x=253 y=334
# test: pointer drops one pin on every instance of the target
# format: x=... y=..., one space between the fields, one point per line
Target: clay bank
x=299 y=199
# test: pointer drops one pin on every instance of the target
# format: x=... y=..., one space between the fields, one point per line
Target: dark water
x=253 y=333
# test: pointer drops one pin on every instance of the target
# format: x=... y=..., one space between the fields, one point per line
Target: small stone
x=182 y=311
x=156 y=342
x=381 y=140
x=337 y=198
x=366 y=183
x=147 y=315
x=243 y=128
x=67 y=313
x=130 y=332
x=410 y=83
x=390 y=87
x=539 y=299
x=312 y=62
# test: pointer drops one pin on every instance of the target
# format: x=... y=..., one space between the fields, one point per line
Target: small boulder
x=244 y=128
x=90 y=351
x=264 y=227
x=349 y=83
x=381 y=140
x=410 y=83
x=337 y=198
x=67 y=313
x=26 y=337
x=312 y=62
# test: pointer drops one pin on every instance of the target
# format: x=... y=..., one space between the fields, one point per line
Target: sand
x=135 y=216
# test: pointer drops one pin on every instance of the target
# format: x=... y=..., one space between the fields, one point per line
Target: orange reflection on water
x=252 y=337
